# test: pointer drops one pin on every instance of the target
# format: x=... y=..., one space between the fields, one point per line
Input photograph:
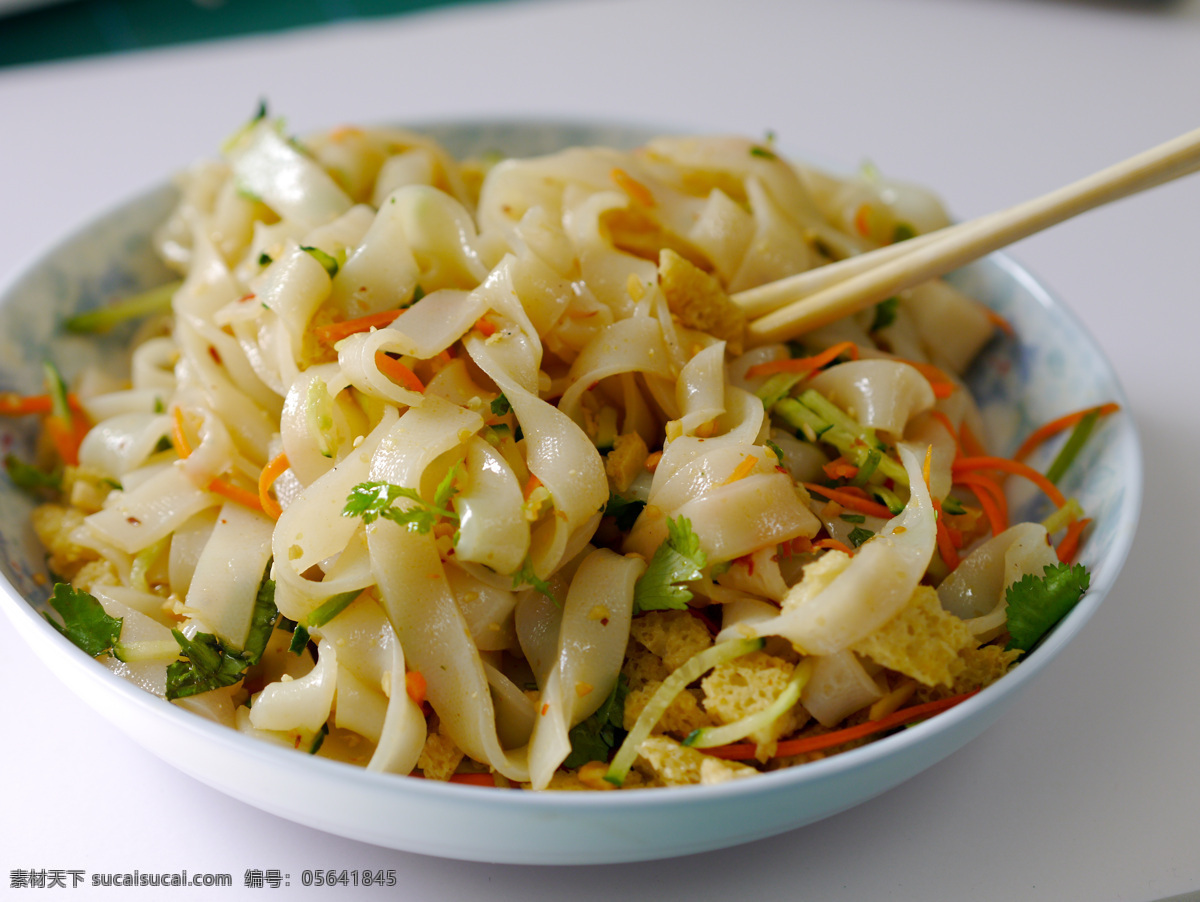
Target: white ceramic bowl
x=1053 y=367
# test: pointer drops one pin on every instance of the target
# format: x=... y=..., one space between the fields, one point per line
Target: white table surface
x=1089 y=787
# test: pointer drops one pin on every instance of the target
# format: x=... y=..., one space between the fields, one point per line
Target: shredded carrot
x=178 y=435
x=222 y=487
x=927 y=466
x=965 y=464
x=266 y=479
x=531 y=485
x=638 y=192
x=235 y=493
x=833 y=545
x=852 y=500
x=15 y=405
x=398 y=372
x=800 y=545
x=1000 y=322
x=473 y=779
x=943 y=386
x=840 y=469
x=743 y=751
x=66 y=439
x=804 y=364
x=1069 y=546
x=415 y=686
x=485 y=327
x=945 y=541
x=332 y=333
x=862 y=220
x=1062 y=424
x=986 y=490
x=65 y=435
x=743 y=469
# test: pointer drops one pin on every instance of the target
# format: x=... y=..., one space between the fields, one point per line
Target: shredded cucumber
x=709 y=737
x=690 y=671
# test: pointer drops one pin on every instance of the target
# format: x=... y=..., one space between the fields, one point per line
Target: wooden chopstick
x=792 y=306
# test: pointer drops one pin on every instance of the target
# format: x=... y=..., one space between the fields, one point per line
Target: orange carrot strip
x=1062 y=424
x=531 y=485
x=223 y=487
x=266 y=479
x=474 y=779
x=485 y=327
x=743 y=751
x=945 y=542
x=800 y=545
x=997 y=517
x=804 y=364
x=850 y=500
x=332 y=333
x=840 y=469
x=833 y=545
x=178 y=435
x=1069 y=546
x=398 y=372
x=943 y=386
x=743 y=469
x=1000 y=322
x=964 y=464
x=65 y=442
x=415 y=686
x=15 y=405
x=638 y=192
x=862 y=220
x=235 y=493
x=983 y=481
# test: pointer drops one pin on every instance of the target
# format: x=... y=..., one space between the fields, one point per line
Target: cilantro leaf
x=527 y=577
x=1036 y=603
x=446 y=489
x=625 y=510
x=84 y=621
x=594 y=738
x=500 y=405
x=210 y=665
x=677 y=560
x=372 y=500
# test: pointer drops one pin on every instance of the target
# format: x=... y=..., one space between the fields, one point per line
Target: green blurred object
x=90 y=27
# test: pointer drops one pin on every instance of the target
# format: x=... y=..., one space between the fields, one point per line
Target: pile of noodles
x=541 y=280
